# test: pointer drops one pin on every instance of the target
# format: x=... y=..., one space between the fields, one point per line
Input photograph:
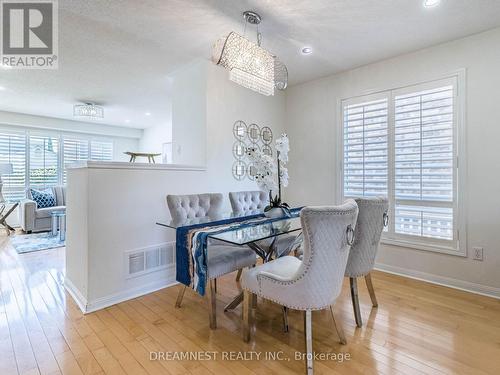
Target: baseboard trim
x=465 y=286
x=77 y=296
x=103 y=302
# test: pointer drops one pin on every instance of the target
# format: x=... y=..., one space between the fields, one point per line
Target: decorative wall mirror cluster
x=249 y=136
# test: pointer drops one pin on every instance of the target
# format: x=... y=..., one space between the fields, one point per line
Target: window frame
x=457 y=246
x=28 y=132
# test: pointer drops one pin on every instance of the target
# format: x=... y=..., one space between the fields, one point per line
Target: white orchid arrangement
x=272 y=174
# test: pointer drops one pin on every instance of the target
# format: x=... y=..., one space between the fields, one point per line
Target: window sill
x=425 y=247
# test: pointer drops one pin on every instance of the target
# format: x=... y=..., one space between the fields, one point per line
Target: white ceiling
x=120 y=53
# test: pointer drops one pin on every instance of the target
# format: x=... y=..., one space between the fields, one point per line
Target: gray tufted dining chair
x=222 y=258
x=248 y=201
x=313 y=283
x=184 y=207
x=372 y=218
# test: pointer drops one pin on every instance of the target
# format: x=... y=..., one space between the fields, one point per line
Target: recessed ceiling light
x=2 y=88
x=127 y=121
x=148 y=113
x=431 y=3
x=306 y=50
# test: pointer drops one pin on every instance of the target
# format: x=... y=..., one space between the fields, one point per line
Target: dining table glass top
x=253 y=233
x=174 y=224
x=239 y=234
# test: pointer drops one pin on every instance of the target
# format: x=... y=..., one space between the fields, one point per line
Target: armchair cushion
x=43 y=198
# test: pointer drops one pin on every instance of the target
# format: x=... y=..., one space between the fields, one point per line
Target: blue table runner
x=191 y=256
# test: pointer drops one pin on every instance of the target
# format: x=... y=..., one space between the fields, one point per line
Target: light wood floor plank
x=418 y=328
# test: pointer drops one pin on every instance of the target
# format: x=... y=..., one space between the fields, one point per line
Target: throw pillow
x=43 y=198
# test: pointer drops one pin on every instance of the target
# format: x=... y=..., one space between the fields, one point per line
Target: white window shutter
x=402 y=144
x=101 y=150
x=13 y=150
x=43 y=165
x=424 y=163
x=75 y=150
x=365 y=148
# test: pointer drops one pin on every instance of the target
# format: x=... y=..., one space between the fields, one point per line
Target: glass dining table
x=259 y=236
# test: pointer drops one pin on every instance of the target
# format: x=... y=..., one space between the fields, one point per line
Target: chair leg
x=355 y=301
x=238 y=275
x=247 y=312
x=308 y=337
x=285 y=318
x=210 y=295
x=180 y=296
x=369 y=285
x=254 y=301
x=338 y=327
x=215 y=286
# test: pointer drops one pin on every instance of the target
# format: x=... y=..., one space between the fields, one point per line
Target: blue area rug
x=26 y=243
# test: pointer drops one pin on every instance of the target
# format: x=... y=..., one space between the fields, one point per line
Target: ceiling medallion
x=88 y=110
x=248 y=63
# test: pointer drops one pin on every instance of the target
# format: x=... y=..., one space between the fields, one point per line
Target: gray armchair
x=222 y=258
x=371 y=220
x=34 y=219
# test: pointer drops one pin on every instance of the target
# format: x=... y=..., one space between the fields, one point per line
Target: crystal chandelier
x=89 y=110
x=248 y=63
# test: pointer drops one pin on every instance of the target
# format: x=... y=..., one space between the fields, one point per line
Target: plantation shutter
x=365 y=148
x=13 y=150
x=101 y=150
x=75 y=150
x=424 y=162
x=403 y=144
x=43 y=161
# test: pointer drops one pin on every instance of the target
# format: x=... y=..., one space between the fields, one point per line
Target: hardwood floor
x=418 y=328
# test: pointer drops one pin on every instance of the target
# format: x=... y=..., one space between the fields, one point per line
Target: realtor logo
x=29 y=34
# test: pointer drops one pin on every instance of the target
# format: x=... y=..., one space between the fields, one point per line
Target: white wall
x=121 y=206
x=312 y=120
x=121 y=145
x=154 y=137
x=189 y=114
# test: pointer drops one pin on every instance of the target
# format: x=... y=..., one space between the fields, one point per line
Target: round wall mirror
x=240 y=130
x=239 y=150
x=267 y=135
x=254 y=133
x=251 y=172
x=267 y=151
x=239 y=170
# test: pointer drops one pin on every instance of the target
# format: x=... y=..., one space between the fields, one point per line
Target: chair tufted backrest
x=318 y=281
x=245 y=201
x=367 y=235
x=184 y=207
